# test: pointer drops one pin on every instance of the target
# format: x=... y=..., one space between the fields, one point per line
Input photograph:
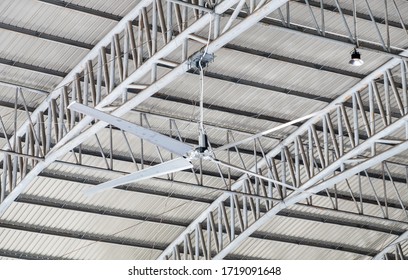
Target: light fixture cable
x=355 y=54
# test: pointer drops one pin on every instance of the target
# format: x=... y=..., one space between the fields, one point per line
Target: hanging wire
x=355 y=22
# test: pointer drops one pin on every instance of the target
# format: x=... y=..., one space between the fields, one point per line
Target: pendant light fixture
x=356 y=58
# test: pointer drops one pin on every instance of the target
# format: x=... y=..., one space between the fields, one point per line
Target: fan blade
x=230 y=145
x=154 y=171
x=158 y=139
x=217 y=161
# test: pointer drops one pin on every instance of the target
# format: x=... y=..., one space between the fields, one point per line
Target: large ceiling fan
x=185 y=152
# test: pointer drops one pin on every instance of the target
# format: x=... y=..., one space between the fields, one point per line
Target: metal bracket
x=201 y=56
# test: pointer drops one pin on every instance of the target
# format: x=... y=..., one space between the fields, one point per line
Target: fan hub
x=200 y=153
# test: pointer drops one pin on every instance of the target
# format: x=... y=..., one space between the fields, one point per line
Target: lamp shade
x=356 y=58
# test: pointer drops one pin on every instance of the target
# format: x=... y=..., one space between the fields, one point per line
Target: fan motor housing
x=204 y=58
x=202 y=143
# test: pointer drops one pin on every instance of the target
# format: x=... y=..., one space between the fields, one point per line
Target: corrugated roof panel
x=240 y=97
x=46 y=54
x=245 y=80
x=265 y=249
x=92 y=224
x=326 y=233
x=8 y=118
x=302 y=46
x=62 y=247
x=117 y=199
x=335 y=24
x=28 y=78
x=55 y=20
x=392 y=225
x=377 y=8
x=119 y=8
x=287 y=76
x=8 y=95
x=232 y=121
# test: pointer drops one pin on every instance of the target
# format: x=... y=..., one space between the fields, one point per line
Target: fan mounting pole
x=198 y=61
x=202 y=142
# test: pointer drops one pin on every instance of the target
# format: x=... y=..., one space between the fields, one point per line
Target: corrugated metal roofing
x=54 y=20
x=268 y=74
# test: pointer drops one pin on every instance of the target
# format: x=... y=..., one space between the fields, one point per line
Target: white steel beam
x=312 y=189
x=24 y=128
x=292 y=138
x=75 y=136
x=309 y=188
x=391 y=246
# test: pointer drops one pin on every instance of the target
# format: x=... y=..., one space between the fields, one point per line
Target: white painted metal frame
x=294 y=139
x=76 y=135
x=314 y=186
